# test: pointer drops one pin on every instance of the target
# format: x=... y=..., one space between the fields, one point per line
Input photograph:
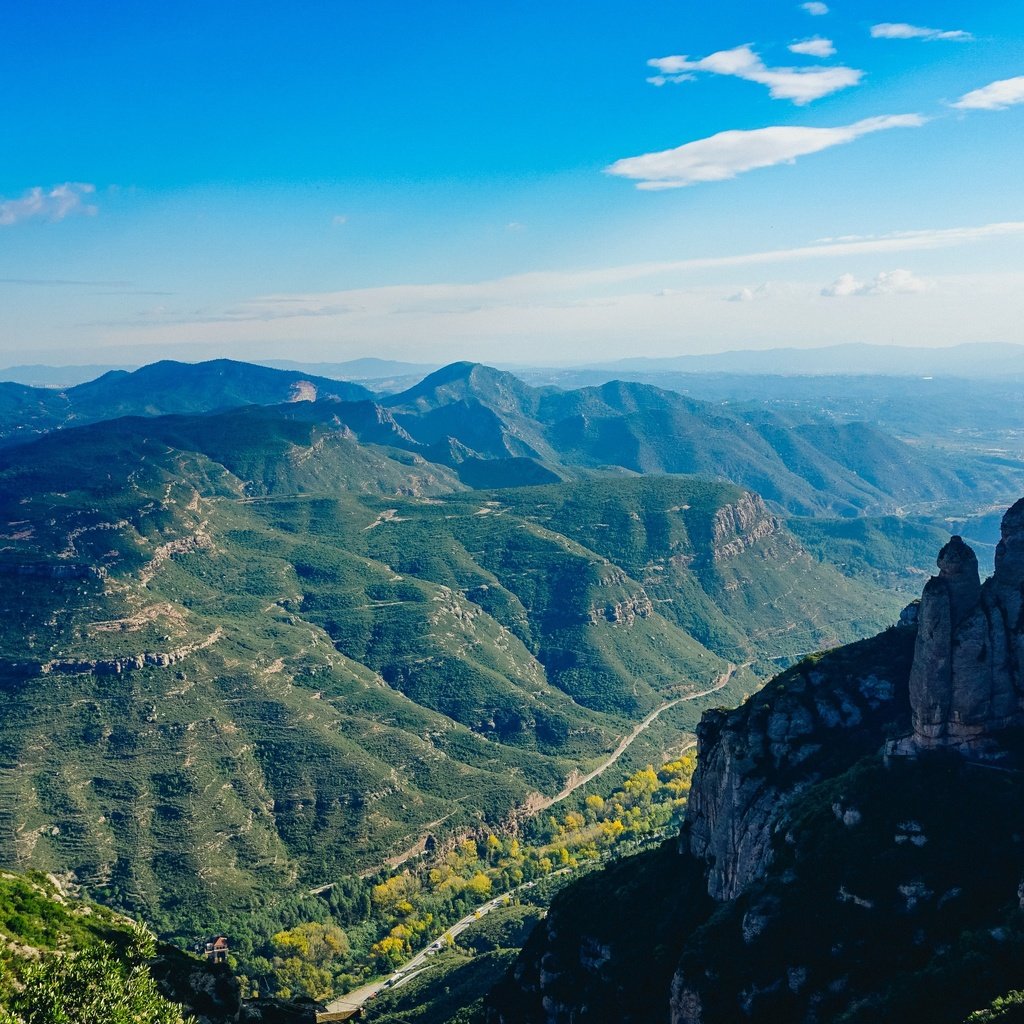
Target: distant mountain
x=806 y=463
x=490 y=427
x=160 y=388
x=969 y=360
x=950 y=412
x=39 y=376
x=172 y=387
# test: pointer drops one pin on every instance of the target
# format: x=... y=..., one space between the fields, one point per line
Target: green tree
x=95 y=986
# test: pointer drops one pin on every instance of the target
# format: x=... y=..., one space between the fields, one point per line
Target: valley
x=257 y=661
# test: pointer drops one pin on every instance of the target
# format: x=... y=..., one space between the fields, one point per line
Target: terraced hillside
x=246 y=654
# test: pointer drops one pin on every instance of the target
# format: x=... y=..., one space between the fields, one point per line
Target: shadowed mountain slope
x=851 y=850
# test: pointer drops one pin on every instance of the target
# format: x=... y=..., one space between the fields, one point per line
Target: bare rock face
x=741 y=525
x=754 y=761
x=967 y=681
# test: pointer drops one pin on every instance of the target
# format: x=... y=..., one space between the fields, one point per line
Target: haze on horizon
x=521 y=183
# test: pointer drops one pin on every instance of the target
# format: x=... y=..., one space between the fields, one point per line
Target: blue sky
x=525 y=181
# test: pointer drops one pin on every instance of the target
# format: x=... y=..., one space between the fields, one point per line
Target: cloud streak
x=1007 y=92
x=901 y=30
x=815 y=7
x=525 y=290
x=801 y=85
x=52 y=204
x=727 y=154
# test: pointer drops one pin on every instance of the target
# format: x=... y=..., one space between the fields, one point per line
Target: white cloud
x=339 y=220
x=889 y=282
x=53 y=205
x=801 y=85
x=815 y=8
x=547 y=287
x=901 y=30
x=762 y=291
x=726 y=154
x=997 y=96
x=819 y=46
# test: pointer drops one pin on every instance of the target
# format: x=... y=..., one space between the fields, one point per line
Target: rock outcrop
x=815 y=878
x=109 y=666
x=741 y=525
x=967 y=681
x=756 y=760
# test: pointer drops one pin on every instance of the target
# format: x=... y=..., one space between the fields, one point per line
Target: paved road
x=358 y=996
x=723 y=680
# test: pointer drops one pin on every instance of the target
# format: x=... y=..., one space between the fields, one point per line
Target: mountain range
x=490 y=427
x=229 y=639
x=262 y=632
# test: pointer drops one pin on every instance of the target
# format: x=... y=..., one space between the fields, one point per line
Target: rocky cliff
x=967 y=682
x=756 y=760
x=849 y=852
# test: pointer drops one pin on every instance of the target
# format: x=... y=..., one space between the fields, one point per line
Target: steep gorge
x=852 y=849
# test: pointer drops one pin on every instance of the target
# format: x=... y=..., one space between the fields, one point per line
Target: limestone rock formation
x=741 y=525
x=756 y=760
x=807 y=855
x=967 y=681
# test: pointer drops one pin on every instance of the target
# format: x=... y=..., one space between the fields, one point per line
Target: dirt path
x=723 y=680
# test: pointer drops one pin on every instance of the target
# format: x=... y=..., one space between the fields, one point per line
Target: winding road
x=723 y=680
x=357 y=997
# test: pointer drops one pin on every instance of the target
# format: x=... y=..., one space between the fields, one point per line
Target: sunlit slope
x=241 y=655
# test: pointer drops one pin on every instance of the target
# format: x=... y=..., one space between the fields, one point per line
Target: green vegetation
x=67 y=962
x=92 y=986
x=388 y=918
x=332 y=678
x=893 y=551
x=247 y=658
x=1008 y=1009
x=893 y=893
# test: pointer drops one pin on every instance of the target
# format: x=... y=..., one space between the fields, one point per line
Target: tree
x=318 y=943
x=95 y=986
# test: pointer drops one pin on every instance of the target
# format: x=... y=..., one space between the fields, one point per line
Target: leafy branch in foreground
x=97 y=985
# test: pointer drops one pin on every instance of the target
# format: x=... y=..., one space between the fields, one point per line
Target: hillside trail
x=626 y=742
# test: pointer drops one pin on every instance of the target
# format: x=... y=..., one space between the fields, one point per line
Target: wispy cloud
x=542 y=286
x=339 y=220
x=889 y=282
x=52 y=204
x=727 y=154
x=901 y=30
x=997 y=96
x=818 y=46
x=660 y=80
x=801 y=85
x=815 y=7
x=60 y=282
